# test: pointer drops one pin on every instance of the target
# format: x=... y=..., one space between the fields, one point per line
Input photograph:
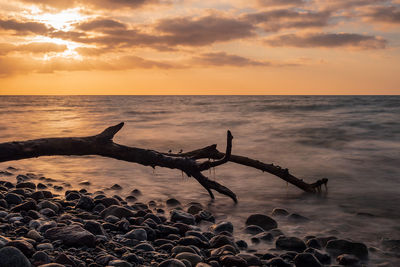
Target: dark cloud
x=40 y=47
x=21 y=65
x=59 y=4
x=344 y=4
x=164 y=35
x=329 y=40
x=117 y=4
x=224 y=59
x=24 y=28
x=203 y=31
x=275 y=20
x=280 y=2
x=98 y=4
x=388 y=14
x=100 y=24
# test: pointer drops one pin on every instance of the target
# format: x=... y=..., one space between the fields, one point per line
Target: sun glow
x=63 y=20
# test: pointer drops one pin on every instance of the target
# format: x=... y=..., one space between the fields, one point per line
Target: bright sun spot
x=62 y=20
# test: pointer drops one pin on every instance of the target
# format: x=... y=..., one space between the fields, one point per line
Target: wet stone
x=94 y=227
x=138 y=234
x=278 y=262
x=73 y=235
x=261 y=220
x=264 y=237
x=194 y=209
x=48 y=204
x=26 y=206
x=230 y=260
x=119 y=263
x=72 y=196
x=22 y=245
x=41 y=186
x=172 y=202
x=313 y=243
x=26 y=185
x=144 y=247
x=85 y=203
x=250 y=259
x=221 y=227
x=171 y=263
x=116 y=187
x=40 y=257
x=117 y=211
x=340 y=246
x=290 y=243
x=183 y=217
x=191 y=257
x=279 y=212
x=11 y=256
x=253 y=229
x=346 y=259
x=306 y=260
x=12 y=198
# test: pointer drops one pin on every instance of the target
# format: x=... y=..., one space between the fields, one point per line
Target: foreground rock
x=13 y=257
x=79 y=228
x=264 y=221
x=73 y=235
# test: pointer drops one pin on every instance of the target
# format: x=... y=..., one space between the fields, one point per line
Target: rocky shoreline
x=43 y=227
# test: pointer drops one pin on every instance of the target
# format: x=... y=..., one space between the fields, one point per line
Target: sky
x=199 y=47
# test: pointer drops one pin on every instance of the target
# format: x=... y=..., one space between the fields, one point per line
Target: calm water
x=352 y=140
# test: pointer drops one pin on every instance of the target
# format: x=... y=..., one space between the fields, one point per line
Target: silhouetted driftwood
x=211 y=152
x=103 y=145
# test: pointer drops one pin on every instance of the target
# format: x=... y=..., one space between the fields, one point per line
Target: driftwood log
x=103 y=145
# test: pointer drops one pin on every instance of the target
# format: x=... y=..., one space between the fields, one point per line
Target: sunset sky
x=199 y=47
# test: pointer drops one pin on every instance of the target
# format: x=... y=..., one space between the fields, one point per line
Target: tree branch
x=212 y=152
x=103 y=145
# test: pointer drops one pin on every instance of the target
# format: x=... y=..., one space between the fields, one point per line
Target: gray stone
x=138 y=234
x=265 y=222
x=12 y=198
x=73 y=235
x=26 y=206
x=250 y=259
x=144 y=247
x=117 y=211
x=45 y=246
x=119 y=263
x=347 y=259
x=341 y=246
x=11 y=256
x=41 y=257
x=306 y=260
x=290 y=243
x=230 y=260
x=172 y=202
x=221 y=227
x=191 y=257
x=183 y=217
x=253 y=229
x=94 y=227
x=22 y=245
x=48 y=204
x=172 y=263
x=279 y=212
x=85 y=203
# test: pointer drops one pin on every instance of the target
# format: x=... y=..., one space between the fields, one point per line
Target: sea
x=354 y=141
